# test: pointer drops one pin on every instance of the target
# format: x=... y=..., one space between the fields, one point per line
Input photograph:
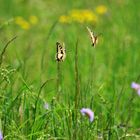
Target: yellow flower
x=18 y=20
x=22 y=23
x=64 y=19
x=25 y=25
x=33 y=20
x=101 y=9
x=76 y=15
x=80 y=16
x=89 y=16
x=83 y=16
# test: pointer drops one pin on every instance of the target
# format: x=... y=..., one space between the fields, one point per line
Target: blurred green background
x=105 y=73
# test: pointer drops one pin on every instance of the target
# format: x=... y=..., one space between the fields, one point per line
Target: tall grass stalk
x=77 y=90
x=44 y=48
x=58 y=80
x=77 y=84
x=36 y=103
x=4 y=49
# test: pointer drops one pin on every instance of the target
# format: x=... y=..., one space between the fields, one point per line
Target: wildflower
x=25 y=25
x=1 y=136
x=88 y=112
x=18 y=20
x=136 y=87
x=83 y=16
x=89 y=16
x=76 y=15
x=22 y=23
x=64 y=19
x=101 y=9
x=80 y=16
x=46 y=106
x=33 y=20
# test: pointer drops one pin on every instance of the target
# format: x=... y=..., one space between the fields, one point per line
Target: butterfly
x=94 y=38
x=61 y=52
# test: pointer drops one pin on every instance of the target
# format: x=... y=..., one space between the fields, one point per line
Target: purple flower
x=88 y=112
x=46 y=106
x=1 y=136
x=136 y=87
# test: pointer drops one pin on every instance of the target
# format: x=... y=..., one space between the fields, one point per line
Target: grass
x=97 y=78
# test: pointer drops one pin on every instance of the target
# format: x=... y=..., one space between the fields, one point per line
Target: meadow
x=41 y=98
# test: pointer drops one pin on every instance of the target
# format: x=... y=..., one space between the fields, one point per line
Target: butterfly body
x=61 y=52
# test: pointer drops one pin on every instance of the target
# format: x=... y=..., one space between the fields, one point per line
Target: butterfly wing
x=63 y=52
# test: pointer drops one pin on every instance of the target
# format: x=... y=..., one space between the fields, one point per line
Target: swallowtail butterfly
x=94 y=38
x=61 y=52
